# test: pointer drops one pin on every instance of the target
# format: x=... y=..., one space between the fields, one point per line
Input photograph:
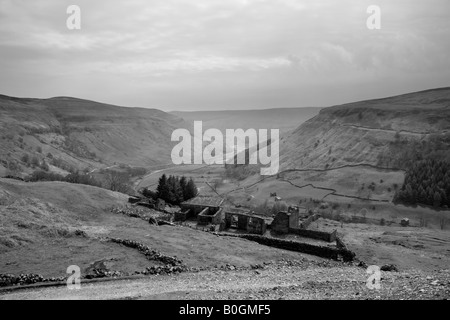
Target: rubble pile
x=130 y=212
x=102 y=273
x=152 y=218
x=389 y=267
x=166 y=269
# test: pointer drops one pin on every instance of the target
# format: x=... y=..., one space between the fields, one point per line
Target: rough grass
x=408 y=248
x=39 y=224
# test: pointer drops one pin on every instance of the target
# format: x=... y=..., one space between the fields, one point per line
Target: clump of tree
x=12 y=166
x=25 y=159
x=426 y=182
x=58 y=162
x=44 y=166
x=81 y=178
x=117 y=181
x=41 y=175
x=78 y=178
x=146 y=192
x=263 y=208
x=270 y=210
x=174 y=189
x=78 y=148
x=35 y=161
x=403 y=152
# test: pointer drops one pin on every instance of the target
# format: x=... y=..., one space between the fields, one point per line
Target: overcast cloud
x=227 y=54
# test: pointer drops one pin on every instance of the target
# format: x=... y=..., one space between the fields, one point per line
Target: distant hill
x=387 y=132
x=69 y=133
x=285 y=119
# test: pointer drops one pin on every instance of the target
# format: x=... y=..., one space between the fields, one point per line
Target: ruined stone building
x=240 y=219
x=295 y=222
x=207 y=210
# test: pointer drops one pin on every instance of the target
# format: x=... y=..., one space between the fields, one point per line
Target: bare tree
x=443 y=221
x=216 y=183
x=423 y=221
x=364 y=214
x=117 y=182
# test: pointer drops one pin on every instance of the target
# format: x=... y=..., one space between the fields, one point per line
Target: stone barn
x=284 y=221
x=207 y=210
x=243 y=220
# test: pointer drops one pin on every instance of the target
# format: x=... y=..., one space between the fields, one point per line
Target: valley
x=344 y=164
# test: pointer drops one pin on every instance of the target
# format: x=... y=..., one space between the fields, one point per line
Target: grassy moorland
x=39 y=223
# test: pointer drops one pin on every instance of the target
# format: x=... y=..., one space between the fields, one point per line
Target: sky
x=223 y=54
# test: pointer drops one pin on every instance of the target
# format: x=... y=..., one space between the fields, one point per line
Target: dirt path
x=412 y=133
x=105 y=168
x=333 y=192
x=283 y=280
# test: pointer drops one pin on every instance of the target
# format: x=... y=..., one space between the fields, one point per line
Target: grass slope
x=38 y=221
x=83 y=134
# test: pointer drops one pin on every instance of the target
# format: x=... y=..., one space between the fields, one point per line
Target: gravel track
x=280 y=280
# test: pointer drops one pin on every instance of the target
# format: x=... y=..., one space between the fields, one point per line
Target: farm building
x=295 y=223
x=207 y=210
x=243 y=220
x=293 y=219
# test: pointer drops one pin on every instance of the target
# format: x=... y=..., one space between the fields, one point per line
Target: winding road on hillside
x=413 y=133
x=333 y=192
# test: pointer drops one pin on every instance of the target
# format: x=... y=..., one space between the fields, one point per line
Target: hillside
x=47 y=226
x=356 y=155
x=73 y=133
x=380 y=132
x=285 y=119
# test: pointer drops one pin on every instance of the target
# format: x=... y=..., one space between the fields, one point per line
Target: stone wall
x=218 y=217
x=207 y=216
x=305 y=223
x=181 y=215
x=340 y=244
x=318 y=235
x=203 y=218
x=195 y=209
x=251 y=224
x=256 y=225
x=294 y=217
x=321 y=251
